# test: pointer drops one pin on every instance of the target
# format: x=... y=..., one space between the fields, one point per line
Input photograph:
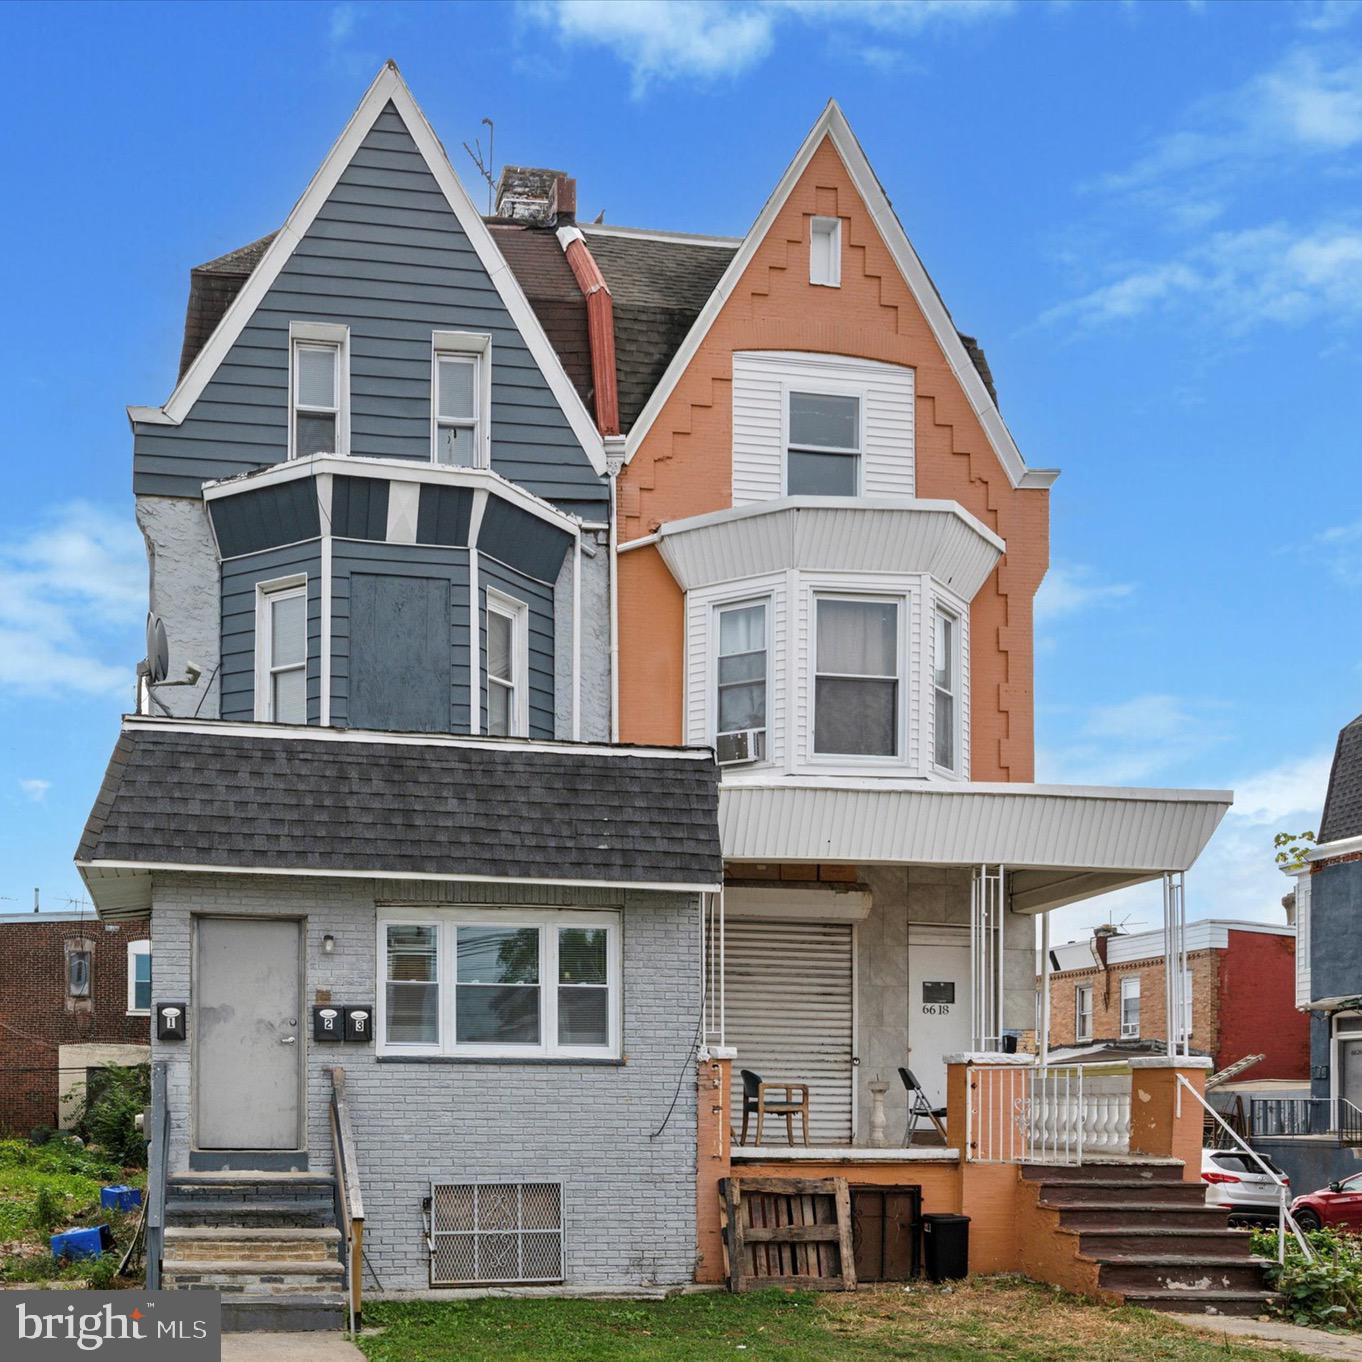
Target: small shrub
x=111 y=1111
x=1327 y=1291
x=40 y=1135
x=47 y=1210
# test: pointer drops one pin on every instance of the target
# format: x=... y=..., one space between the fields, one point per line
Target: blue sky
x=1151 y=215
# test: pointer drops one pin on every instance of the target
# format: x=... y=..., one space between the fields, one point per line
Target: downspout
x=614 y=461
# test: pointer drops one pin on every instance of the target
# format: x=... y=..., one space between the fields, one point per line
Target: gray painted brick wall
x=629 y=1199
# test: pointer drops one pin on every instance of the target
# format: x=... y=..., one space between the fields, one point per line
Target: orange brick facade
x=683 y=467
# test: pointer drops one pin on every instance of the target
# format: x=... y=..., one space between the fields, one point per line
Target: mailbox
x=327 y=1023
x=359 y=1023
x=170 y=1021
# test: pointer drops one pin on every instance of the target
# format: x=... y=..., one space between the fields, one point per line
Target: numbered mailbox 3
x=170 y=1021
x=359 y=1022
x=327 y=1023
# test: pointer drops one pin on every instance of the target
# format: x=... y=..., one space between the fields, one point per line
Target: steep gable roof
x=1343 y=803
x=388 y=89
x=833 y=127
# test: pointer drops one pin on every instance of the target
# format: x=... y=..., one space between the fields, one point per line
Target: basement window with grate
x=499 y=1232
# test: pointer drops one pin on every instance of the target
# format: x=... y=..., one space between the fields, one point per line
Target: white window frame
x=518 y=613
x=266 y=594
x=830 y=228
x=473 y=348
x=546 y=921
x=956 y=694
x=136 y=949
x=1130 y=993
x=903 y=605
x=822 y=388
x=320 y=335
x=712 y=702
x=1083 y=1016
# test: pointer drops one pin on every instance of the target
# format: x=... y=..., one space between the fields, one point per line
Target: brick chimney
x=1100 y=936
x=536 y=197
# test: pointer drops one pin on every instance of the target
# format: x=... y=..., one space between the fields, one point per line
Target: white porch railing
x=1056 y=1114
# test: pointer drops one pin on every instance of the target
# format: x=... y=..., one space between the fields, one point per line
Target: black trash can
x=945 y=1246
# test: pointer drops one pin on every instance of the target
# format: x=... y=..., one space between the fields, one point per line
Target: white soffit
x=388 y=86
x=1059 y=844
x=833 y=125
x=832 y=534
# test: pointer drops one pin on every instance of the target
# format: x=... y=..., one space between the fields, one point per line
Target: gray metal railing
x=158 y=1158
x=1287 y=1117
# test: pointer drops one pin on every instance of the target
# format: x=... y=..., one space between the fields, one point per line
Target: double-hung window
x=946 y=685
x=502 y=982
x=856 y=677
x=281 y=652
x=508 y=710
x=139 y=978
x=1130 y=1007
x=460 y=397
x=740 y=718
x=1083 y=1012
x=823 y=453
x=318 y=386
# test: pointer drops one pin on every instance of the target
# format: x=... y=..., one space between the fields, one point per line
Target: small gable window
x=823 y=456
x=318 y=388
x=825 y=252
x=461 y=396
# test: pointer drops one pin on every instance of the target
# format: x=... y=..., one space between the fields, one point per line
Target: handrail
x=349 y=1198
x=1284 y=1216
x=158 y=1157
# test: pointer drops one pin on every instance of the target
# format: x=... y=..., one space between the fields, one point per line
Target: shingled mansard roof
x=269 y=798
x=1343 y=804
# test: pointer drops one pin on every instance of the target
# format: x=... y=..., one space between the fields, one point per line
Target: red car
x=1338 y=1205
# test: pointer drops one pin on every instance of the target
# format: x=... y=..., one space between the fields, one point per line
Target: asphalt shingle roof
x=562 y=813
x=1343 y=804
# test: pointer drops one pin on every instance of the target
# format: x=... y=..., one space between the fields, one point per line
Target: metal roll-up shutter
x=789 y=1015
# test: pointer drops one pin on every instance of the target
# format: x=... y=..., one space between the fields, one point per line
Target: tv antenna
x=486 y=168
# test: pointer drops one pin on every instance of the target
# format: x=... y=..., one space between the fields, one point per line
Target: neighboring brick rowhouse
x=684 y=466
x=38 y=1015
x=628 y=1169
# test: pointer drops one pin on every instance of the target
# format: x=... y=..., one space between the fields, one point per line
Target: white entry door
x=789 y=1015
x=938 y=1004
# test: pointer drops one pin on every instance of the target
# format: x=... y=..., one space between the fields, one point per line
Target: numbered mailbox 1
x=327 y=1023
x=359 y=1023
x=171 y=1021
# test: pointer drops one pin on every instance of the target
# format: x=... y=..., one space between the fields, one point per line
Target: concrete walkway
x=1311 y=1342
x=321 y=1346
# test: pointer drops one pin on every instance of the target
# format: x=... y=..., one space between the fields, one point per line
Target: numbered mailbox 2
x=171 y=1021
x=359 y=1023
x=327 y=1023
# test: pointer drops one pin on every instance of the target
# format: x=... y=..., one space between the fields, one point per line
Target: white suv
x=1236 y=1181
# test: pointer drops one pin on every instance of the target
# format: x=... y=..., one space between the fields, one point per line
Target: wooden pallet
x=792 y=1232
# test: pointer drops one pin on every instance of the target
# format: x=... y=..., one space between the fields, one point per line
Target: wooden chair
x=918 y=1107
x=754 y=1099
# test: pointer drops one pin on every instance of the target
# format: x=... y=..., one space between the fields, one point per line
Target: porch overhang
x=1060 y=843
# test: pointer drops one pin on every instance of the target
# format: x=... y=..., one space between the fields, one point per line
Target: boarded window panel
x=399 y=653
x=789 y=1015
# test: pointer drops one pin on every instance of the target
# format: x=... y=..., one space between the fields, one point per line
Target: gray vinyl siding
x=402 y=560
x=539 y=598
x=387 y=257
x=240 y=576
x=1336 y=930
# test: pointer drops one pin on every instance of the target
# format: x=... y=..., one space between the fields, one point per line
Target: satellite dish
x=158 y=650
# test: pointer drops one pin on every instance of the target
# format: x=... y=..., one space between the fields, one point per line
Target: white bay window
x=856 y=681
x=945 y=691
x=741 y=685
x=508 y=666
x=281 y=651
x=500 y=983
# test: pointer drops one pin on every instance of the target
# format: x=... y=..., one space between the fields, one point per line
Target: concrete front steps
x=267 y=1240
x=1133 y=1231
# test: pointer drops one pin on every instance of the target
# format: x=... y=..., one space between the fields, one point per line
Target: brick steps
x=1126 y=1191
x=1109 y=1241
x=254 y=1275
x=1124 y=1215
x=1200 y=1272
x=235 y=1243
x=1203 y=1303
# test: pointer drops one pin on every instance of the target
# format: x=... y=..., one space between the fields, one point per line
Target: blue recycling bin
x=120 y=1198
x=81 y=1243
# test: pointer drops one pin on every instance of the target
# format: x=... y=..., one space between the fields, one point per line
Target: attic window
x=825 y=252
x=318 y=389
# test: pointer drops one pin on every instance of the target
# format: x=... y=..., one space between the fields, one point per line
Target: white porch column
x=987 y=913
x=1175 y=961
x=1043 y=1040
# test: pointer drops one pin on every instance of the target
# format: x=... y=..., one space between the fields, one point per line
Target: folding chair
x=918 y=1107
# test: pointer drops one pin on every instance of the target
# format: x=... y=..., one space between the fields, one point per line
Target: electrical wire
x=694 y=1049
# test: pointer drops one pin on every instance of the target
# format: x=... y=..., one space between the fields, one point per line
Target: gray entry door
x=248 y=1041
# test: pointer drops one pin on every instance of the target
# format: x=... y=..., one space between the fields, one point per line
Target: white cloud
x=34 y=789
x=71 y=593
x=1340 y=547
x=705 y=40
x=1241 y=279
x=1070 y=588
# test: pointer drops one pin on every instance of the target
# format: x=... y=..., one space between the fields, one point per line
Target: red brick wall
x=1258 y=1007
x=37 y=1016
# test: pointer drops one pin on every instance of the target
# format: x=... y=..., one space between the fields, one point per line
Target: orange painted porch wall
x=684 y=467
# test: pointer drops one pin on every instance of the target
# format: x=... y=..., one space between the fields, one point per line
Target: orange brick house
x=827 y=547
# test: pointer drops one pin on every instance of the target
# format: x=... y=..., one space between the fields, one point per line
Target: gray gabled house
x=426 y=945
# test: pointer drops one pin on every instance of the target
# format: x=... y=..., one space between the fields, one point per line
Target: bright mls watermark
x=115 y=1326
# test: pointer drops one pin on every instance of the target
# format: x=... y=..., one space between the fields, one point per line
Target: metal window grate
x=495 y=1232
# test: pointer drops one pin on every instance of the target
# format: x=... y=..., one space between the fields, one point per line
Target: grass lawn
x=71 y=1177
x=986 y=1320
